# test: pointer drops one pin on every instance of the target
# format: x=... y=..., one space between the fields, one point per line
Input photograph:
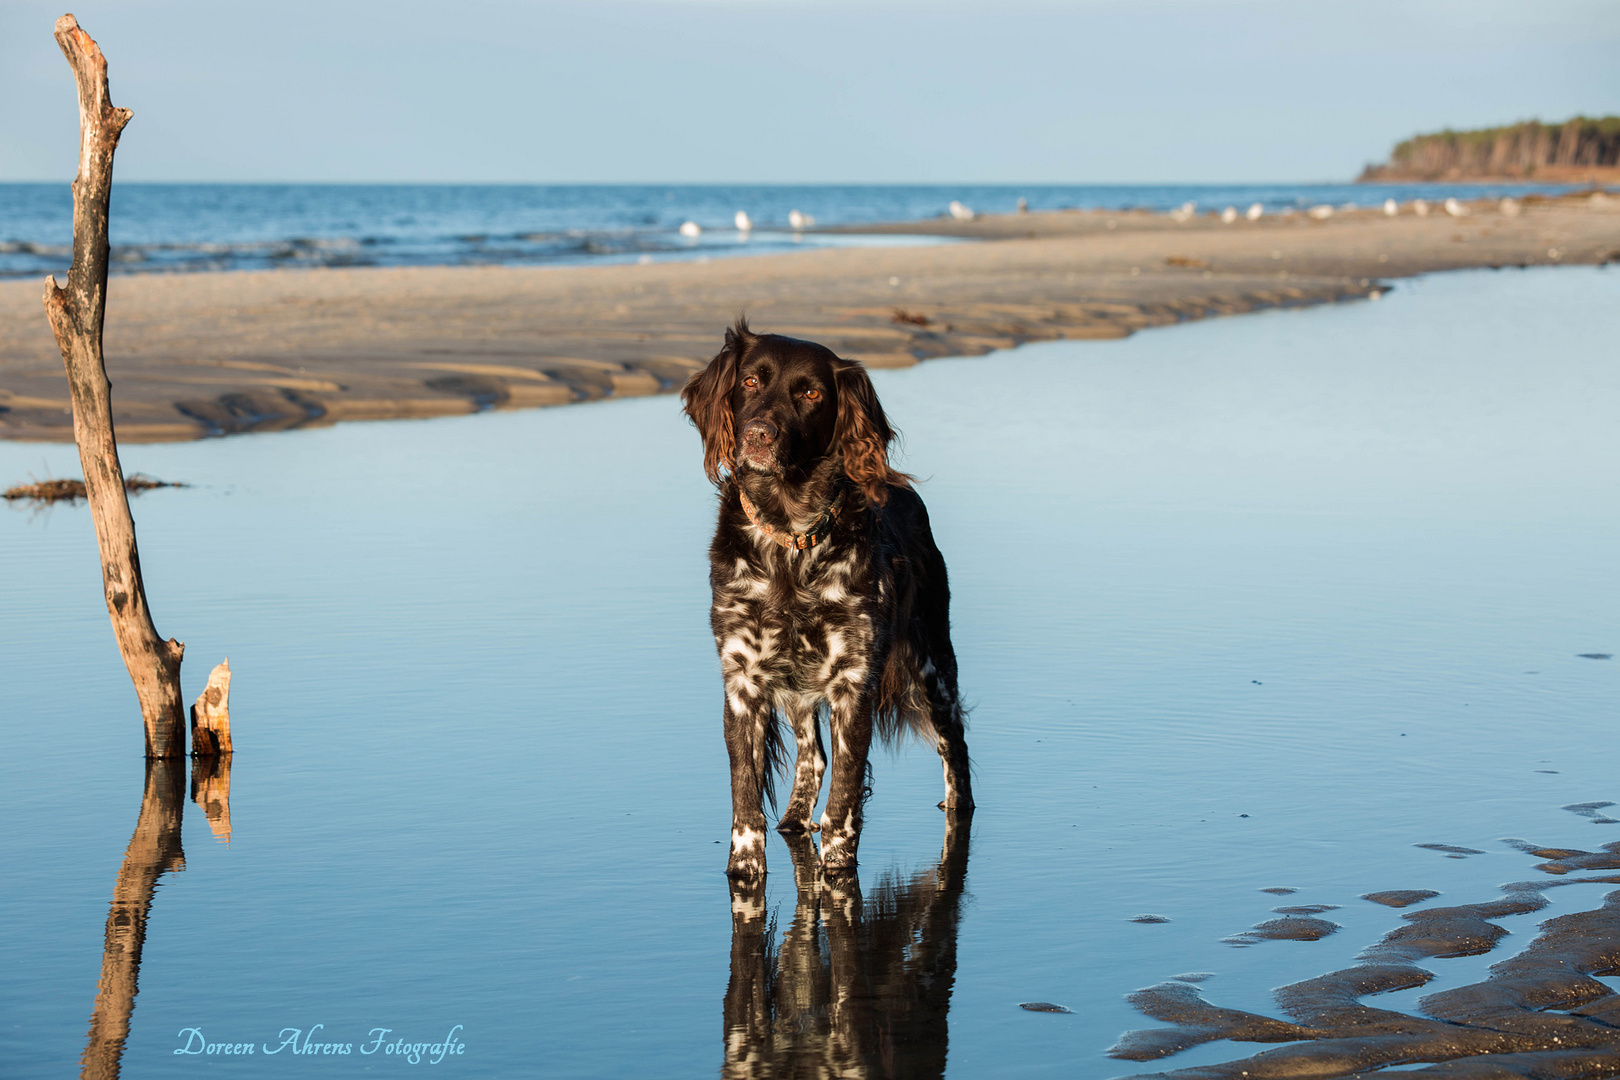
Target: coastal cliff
x=1575 y=151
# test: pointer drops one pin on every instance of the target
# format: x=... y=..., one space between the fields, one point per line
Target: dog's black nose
x=760 y=431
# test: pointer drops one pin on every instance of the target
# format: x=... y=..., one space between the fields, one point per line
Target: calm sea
x=182 y=227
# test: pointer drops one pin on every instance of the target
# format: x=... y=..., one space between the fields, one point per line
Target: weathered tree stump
x=211 y=715
x=76 y=314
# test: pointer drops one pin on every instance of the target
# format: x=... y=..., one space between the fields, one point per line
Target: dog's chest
x=808 y=613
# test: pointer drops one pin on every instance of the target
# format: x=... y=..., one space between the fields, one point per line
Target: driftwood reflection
x=860 y=987
x=211 y=790
x=153 y=851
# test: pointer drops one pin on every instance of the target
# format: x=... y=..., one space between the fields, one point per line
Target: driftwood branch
x=76 y=315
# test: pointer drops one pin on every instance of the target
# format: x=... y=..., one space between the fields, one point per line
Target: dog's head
x=777 y=405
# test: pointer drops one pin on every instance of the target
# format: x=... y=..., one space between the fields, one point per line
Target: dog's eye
x=812 y=395
x=750 y=382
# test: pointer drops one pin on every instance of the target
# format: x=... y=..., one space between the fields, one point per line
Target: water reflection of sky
x=1329 y=569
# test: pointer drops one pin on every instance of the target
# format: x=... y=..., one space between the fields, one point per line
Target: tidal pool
x=1256 y=603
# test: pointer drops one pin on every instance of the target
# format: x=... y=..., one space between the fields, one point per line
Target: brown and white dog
x=829 y=594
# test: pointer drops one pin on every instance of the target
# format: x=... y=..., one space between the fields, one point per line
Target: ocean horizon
x=173 y=228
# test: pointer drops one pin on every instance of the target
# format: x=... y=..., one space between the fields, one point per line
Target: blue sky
x=791 y=91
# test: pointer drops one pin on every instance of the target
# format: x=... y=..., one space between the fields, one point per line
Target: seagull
x=1456 y=209
x=800 y=221
x=960 y=212
x=1510 y=207
x=1229 y=215
x=1391 y=208
x=1420 y=208
x=1321 y=213
x=691 y=228
x=743 y=224
x=1255 y=210
x=1184 y=212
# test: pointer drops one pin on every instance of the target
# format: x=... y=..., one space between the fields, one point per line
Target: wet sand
x=1540 y=1014
x=204 y=354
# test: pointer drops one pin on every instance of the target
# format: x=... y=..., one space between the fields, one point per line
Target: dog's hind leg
x=798 y=817
x=950 y=735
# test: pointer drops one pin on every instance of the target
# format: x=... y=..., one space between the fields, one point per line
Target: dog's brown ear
x=707 y=400
x=863 y=434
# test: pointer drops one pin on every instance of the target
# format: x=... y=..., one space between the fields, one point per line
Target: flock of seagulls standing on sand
x=1508 y=206
x=799 y=221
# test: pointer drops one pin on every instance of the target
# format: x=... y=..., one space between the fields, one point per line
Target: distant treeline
x=1578 y=149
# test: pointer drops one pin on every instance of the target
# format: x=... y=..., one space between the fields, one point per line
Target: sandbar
x=205 y=354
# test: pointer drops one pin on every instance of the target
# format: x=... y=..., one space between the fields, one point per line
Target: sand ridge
x=1539 y=1014
x=193 y=355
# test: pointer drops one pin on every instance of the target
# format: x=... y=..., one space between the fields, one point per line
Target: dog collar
x=796 y=541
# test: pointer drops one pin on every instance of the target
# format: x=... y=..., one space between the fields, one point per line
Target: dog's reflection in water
x=860 y=987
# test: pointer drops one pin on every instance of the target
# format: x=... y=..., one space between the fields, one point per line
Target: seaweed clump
x=45 y=492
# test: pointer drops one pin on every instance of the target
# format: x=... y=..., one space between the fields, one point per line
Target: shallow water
x=1258 y=602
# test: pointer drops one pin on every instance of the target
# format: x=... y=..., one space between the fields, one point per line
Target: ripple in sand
x=1287 y=928
x=1593 y=810
x=1450 y=849
x=1543 y=1012
x=1399 y=898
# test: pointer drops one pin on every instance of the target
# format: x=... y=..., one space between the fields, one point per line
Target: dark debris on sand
x=45 y=492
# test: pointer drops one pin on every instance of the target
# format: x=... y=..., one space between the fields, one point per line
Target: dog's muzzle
x=758 y=445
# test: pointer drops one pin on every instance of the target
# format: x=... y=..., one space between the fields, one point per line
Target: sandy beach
x=194 y=355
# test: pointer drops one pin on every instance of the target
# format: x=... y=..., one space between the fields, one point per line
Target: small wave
x=25 y=247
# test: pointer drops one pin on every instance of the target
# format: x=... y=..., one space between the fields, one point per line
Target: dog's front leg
x=747 y=655
x=745 y=743
x=809 y=765
x=851 y=729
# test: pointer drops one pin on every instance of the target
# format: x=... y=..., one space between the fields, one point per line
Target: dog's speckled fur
x=856 y=627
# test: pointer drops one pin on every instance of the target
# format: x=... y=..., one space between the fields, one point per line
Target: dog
x=829 y=593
